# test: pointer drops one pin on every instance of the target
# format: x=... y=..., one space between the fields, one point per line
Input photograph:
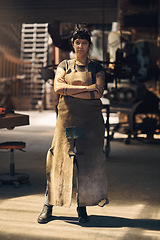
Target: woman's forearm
x=67 y=89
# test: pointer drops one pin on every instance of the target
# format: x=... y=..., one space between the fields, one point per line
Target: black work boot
x=82 y=215
x=45 y=214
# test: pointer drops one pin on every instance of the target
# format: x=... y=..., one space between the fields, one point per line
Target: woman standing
x=79 y=134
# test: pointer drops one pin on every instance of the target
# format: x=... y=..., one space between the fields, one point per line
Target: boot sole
x=43 y=221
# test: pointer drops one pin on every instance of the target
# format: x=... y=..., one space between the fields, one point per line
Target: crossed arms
x=94 y=91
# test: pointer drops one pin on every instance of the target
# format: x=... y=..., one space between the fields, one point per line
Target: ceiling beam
x=31 y=11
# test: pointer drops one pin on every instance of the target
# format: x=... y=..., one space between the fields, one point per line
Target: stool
x=12 y=177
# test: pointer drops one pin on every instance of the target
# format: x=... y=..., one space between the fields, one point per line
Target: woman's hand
x=99 y=89
x=95 y=87
x=91 y=88
x=61 y=80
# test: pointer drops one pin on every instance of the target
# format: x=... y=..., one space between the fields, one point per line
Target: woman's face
x=81 y=47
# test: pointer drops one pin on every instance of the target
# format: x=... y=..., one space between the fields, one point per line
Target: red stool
x=12 y=177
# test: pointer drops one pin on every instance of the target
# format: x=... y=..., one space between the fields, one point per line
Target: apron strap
x=74 y=65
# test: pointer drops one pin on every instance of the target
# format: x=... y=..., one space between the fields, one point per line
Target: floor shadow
x=97 y=221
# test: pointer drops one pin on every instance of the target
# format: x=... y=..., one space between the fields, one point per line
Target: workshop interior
x=125 y=40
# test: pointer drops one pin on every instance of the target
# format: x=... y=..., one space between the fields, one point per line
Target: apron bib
x=78 y=78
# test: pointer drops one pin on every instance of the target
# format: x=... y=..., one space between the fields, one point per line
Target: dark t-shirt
x=93 y=67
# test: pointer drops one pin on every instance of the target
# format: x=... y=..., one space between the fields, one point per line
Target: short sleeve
x=94 y=67
x=99 y=68
x=63 y=65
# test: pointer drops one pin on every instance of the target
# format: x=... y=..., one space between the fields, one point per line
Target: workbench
x=12 y=120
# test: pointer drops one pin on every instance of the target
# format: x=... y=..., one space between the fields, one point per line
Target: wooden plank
x=12 y=120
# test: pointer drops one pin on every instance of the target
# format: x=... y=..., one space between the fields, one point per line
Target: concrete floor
x=133 y=186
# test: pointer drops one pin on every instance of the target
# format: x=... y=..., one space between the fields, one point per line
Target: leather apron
x=74 y=113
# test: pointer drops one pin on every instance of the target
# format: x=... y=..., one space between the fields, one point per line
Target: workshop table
x=12 y=120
